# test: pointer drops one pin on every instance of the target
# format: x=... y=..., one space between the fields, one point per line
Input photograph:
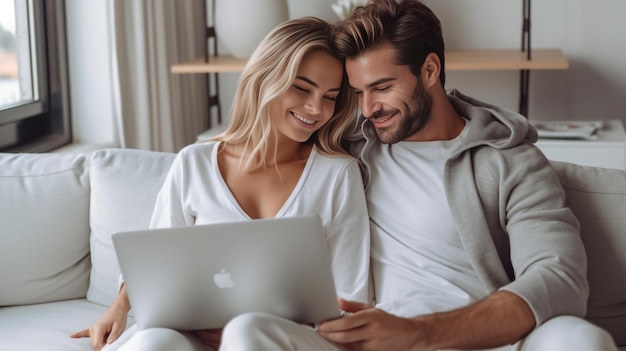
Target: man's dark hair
x=409 y=25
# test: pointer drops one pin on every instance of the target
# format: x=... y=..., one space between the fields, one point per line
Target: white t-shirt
x=418 y=262
x=194 y=192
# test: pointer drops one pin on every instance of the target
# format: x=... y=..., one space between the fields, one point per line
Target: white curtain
x=157 y=110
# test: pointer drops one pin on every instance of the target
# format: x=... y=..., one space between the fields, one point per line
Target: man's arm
x=500 y=319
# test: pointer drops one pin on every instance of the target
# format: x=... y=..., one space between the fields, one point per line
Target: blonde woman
x=281 y=156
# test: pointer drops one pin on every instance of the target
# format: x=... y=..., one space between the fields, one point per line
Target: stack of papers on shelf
x=567 y=129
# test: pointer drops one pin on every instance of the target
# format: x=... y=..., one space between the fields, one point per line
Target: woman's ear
x=431 y=69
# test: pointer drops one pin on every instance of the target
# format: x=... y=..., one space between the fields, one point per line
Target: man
x=472 y=245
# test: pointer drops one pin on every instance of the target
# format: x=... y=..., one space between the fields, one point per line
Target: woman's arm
x=348 y=236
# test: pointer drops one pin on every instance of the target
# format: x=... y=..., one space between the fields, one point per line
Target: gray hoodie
x=509 y=208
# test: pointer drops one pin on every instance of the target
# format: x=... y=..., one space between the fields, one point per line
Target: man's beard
x=416 y=117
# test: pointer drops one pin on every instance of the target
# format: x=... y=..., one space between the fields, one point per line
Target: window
x=34 y=92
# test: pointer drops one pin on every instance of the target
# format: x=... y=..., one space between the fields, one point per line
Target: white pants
x=257 y=331
x=157 y=339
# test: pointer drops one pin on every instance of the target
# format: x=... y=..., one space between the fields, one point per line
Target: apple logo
x=223 y=280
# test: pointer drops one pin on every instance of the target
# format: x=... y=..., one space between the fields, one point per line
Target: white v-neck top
x=194 y=192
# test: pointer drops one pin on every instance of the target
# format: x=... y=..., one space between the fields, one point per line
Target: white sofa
x=58 y=270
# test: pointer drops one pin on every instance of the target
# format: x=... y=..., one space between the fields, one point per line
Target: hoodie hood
x=491 y=125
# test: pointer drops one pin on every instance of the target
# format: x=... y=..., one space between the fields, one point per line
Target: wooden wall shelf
x=216 y=64
x=498 y=59
x=456 y=60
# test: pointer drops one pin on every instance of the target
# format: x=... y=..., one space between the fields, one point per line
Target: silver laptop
x=200 y=277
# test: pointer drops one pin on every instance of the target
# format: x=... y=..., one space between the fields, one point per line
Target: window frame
x=44 y=123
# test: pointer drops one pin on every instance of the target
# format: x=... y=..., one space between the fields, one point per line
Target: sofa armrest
x=597 y=196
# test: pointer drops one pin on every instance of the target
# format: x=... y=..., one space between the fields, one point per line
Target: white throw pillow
x=124 y=186
x=44 y=227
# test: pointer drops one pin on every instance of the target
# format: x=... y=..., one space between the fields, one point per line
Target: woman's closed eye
x=305 y=90
x=302 y=89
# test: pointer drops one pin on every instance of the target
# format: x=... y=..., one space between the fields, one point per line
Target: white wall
x=592 y=34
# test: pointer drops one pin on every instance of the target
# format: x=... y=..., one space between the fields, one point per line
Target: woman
x=281 y=156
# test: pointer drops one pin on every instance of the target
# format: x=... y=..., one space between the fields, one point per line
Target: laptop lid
x=200 y=277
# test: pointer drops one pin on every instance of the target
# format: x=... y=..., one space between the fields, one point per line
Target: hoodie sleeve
x=546 y=251
x=522 y=238
x=509 y=208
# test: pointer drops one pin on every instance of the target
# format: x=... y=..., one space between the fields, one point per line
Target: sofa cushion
x=597 y=196
x=44 y=228
x=48 y=326
x=124 y=185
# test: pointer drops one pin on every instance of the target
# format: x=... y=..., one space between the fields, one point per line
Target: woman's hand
x=110 y=326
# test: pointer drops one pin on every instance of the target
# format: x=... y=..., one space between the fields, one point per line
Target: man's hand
x=369 y=328
x=500 y=319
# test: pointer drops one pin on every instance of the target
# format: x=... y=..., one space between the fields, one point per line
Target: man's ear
x=431 y=69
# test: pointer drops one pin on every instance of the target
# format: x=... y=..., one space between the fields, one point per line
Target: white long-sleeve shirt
x=194 y=192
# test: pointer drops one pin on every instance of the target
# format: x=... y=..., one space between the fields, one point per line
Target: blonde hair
x=270 y=71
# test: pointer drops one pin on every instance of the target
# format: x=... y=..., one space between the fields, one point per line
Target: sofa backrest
x=57 y=215
x=597 y=196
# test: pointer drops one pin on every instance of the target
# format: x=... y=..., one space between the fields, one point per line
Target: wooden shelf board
x=500 y=59
x=456 y=60
x=215 y=64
